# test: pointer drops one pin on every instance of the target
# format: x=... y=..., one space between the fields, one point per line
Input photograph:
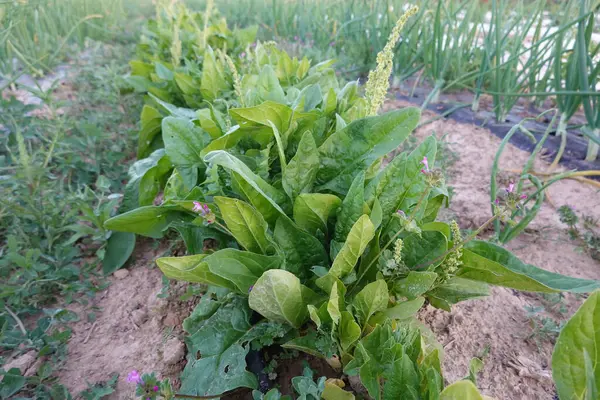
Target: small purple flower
x=242 y=54
x=523 y=196
x=134 y=377
x=510 y=188
x=197 y=207
x=401 y=213
x=332 y=44
x=296 y=38
x=155 y=388
x=425 y=164
x=497 y=202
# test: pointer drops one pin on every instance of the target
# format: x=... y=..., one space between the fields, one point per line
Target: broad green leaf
x=175 y=188
x=301 y=249
x=277 y=295
x=153 y=180
x=264 y=205
x=227 y=141
x=174 y=111
x=357 y=146
x=217 y=349
x=245 y=223
x=420 y=251
x=213 y=82
x=259 y=116
x=308 y=99
x=299 y=175
x=461 y=390
x=146 y=221
x=150 y=122
x=312 y=211
x=313 y=344
x=359 y=237
x=12 y=382
x=352 y=208
x=457 y=289
x=268 y=87
x=348 y=330
x=493 y=264
x=262 y=188
x=242 y=268
x=184 y=142
x=118 y=250
x=402 y=381
x=208 y=123
x=415 y=284
x=401 y=183
x=405 y=309
x=313 y=313
x=191 y=269
x=195 y=236
x=372 y=298
x=576 y=357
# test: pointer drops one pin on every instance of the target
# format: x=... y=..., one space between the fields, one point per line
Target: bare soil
x=136 y=330
x=515 y=367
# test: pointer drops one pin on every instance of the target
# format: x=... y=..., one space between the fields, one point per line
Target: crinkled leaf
x=217 y=349
x=420 y=251
x=312 y=211
x=357 y=146
x=359 y=237
x=300 y=173
x=401 y=183
x=372 y=298
x=487 y=262
x=246 y=224
x=402 y=381
x=352 y=208
x=213 y=82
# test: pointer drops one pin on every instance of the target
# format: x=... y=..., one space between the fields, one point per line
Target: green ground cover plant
x=60 y=178
x=308 y=233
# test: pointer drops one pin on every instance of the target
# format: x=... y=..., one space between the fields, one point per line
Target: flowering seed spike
x=379 y=79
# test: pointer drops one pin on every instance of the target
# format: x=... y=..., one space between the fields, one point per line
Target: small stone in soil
x=171 y=320
x=173 y=351
x=121 y=273
x=139 y=316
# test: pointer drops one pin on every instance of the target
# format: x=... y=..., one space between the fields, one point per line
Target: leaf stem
x=389 y=243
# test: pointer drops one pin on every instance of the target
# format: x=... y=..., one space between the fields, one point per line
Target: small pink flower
x=243 y=54
x=401 y=213
x=331 y=44
x=155 y=388
x=523 y=196
x=197 y=206
x=497 y=202
x=511 y=188
x=296 y=38
x=425 y=164
x=134 y=377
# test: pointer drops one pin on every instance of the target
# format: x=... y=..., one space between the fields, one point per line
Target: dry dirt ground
x=136 y=330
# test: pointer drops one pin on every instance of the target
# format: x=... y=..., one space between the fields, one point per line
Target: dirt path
x=515 y=367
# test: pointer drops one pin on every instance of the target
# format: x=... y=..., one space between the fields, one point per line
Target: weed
x=584 y=231
x=543 y=328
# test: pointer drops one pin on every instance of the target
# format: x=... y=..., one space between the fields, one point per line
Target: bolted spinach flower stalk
x=237 y=82
x=453 y=261
x=176 y=45
x=379 y=79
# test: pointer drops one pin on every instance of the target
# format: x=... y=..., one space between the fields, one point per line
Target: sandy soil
x=515 y=367
x=137 y=330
